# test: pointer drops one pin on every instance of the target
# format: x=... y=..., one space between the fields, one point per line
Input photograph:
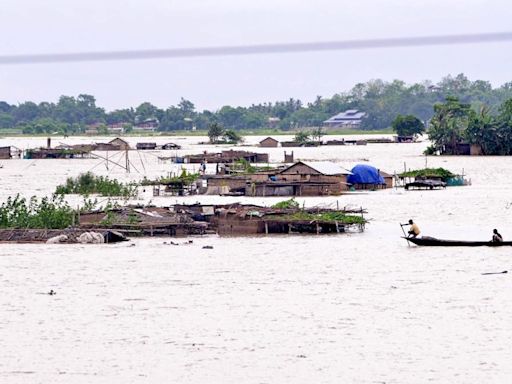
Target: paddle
x=494 y=273
x=402 y=226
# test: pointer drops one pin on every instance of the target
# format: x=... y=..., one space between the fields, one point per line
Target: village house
x=367 y=177
x=269 y=142
x=10 y=152
x=227 y=157
x=122 y=144
x=302 y=179
x=351 y=118
x=148 y=125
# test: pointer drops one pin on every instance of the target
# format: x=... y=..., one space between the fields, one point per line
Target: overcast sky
x=59 y=26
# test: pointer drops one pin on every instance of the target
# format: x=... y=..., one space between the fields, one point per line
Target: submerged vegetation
x=48 y=213
x=429 y=172
x=243 y=166
x=185 y=178
x=87 y=184
x=287 y=204
x=329 y=217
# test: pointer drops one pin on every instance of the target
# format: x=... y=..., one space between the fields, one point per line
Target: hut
x=227 y=157
x=302 y=179
x=146 y=146
x=122 y=144
x=269 y=142
x=10 y=152
x=367 y=177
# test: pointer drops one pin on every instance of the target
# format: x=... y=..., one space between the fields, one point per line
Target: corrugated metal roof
x=350 y=115
x=327 y=168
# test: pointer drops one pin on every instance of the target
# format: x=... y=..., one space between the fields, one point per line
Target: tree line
x=382 y=101
x=455 y=124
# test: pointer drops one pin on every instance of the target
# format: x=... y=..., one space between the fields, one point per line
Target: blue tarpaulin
x=365 y=174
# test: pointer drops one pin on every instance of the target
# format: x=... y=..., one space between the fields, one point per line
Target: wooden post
x=266 y=228
x=337 y=227
x=317 y=228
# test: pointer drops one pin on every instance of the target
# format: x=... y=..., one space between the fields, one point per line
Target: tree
x=215 y=131
x=232 y=137
x=449 y=124
x=302 y=137
x=408 y=125
x=317 y=134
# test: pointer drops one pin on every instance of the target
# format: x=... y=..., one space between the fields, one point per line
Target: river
x=352 y=308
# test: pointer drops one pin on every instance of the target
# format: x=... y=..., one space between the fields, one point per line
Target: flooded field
x=363 y=308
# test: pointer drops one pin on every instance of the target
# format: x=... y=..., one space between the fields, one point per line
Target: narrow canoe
x=433 y=242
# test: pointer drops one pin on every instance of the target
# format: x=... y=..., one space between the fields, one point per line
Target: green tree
x=408 y=125
x=215 y=131
x=302 y=137
x=449 y=124
x=232 y=137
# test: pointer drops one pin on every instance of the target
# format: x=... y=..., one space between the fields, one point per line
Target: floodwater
x=352 y=308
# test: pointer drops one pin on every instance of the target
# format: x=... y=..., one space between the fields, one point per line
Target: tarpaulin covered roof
x=365 y=174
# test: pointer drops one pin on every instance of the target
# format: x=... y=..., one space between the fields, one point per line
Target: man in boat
x=414 y=230
x=496 y=237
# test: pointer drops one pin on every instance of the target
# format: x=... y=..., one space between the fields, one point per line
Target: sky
x=62 y=26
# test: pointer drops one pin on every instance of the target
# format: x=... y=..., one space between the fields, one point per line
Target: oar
x=402 y=226
x=494 y=273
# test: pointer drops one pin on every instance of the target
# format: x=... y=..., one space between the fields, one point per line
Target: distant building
x=348 y=119
x=273 y=121
x=269 y=142
x=116 y=127
x=148 y=125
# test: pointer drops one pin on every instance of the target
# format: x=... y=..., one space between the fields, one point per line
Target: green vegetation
x=429 y=172
x=408 y=125
x=87 y=184
x=331 y=217
x=286 y=204
x=242 y=166
x=456 y=123
x=219 y=135
x=382 y=101
x=49 y=213
x=185 y=178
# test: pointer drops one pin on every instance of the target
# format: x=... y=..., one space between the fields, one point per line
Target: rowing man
x=414 y=230
x=496 y=237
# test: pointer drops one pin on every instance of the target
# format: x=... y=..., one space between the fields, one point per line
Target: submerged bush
x=286 y=204
x=87 y=184
x=429 y=172
x=49 y=213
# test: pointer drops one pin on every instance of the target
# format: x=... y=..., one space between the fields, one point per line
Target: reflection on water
x=362 y=308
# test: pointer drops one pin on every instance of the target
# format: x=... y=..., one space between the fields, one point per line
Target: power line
x=174 y=53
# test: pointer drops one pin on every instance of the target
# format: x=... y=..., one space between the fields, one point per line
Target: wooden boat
x=433 y=242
